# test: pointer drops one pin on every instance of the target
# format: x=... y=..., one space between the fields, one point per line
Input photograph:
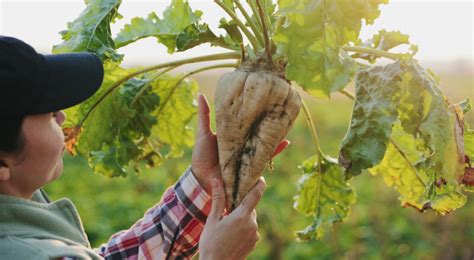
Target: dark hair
x=11 y=138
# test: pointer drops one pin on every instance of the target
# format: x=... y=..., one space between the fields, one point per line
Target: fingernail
x=261 y=184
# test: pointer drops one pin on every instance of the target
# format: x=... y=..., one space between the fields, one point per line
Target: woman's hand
x=234 y=236
x=205 y=159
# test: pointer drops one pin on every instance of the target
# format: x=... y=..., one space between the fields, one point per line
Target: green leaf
x=194 y=35
x=404 y=92
x=172 y=134
x=421 y=185
x=384 y=41
x=415 y=98
x=399 y=171
x=111 y=136
x=127 y=147
x=401 y=104
x=269 y=8
x=465 y=105
x=96 y=129
x=118 y=135
x=234 y=37
x=176 y=18
x=461 y=109
x=178 y=30
x=312 y=36
x=91 y=31
x=324 y=194
x=374 y=112
x=469 y=143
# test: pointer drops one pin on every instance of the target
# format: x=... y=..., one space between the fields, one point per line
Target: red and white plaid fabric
x=169 y=230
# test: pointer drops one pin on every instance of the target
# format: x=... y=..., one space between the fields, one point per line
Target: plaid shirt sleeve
x=169 y=230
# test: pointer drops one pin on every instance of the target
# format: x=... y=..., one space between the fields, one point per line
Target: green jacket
x=40 y=229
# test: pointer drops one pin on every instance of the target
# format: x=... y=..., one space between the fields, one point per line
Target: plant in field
x=402 y=127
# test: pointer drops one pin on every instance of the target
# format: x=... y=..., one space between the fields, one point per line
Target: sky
x=443 y=30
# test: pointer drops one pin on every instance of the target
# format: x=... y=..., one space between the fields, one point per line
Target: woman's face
x=40 y=161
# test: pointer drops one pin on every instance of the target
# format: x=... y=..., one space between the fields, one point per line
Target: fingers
x=218 y=202
x=253 y=197
x=283 y=144
x=204 y=118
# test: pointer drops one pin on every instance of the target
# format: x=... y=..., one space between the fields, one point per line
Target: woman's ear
x=4 y=171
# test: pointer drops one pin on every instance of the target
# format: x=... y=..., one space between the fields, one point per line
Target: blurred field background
x=377 y=228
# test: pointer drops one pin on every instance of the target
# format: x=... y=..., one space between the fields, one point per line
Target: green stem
x=268 y=19
x=278 y=26
x=385 y=54
x=148 y=84
x=255 y=11
x=225 y=46
x=351 y=96
x=218 y=66
x=255 y=28
x=243 y=28
x=314 y=134
x=268 y=48
x=347 y=94
x=212 y=57
x=269 y=22
x=309 y=121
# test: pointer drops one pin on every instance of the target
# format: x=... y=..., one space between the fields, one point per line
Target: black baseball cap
x=32 y=83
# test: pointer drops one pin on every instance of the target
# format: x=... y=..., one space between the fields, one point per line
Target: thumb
x=253 y=197
x=218 y=202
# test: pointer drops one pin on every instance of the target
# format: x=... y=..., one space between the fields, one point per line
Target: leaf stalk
x=381 y=53
x=253 y=41
x=148 y=84
x=212 y=57
x=268 y=48
x=256 y=30
x=218 y=66
x=314 y=134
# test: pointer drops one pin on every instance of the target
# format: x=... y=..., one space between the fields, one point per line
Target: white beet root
x=254 y=112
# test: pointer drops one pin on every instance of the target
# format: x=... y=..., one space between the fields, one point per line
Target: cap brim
x=71 y=79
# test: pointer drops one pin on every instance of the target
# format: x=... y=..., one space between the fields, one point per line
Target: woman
x=34 y=89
